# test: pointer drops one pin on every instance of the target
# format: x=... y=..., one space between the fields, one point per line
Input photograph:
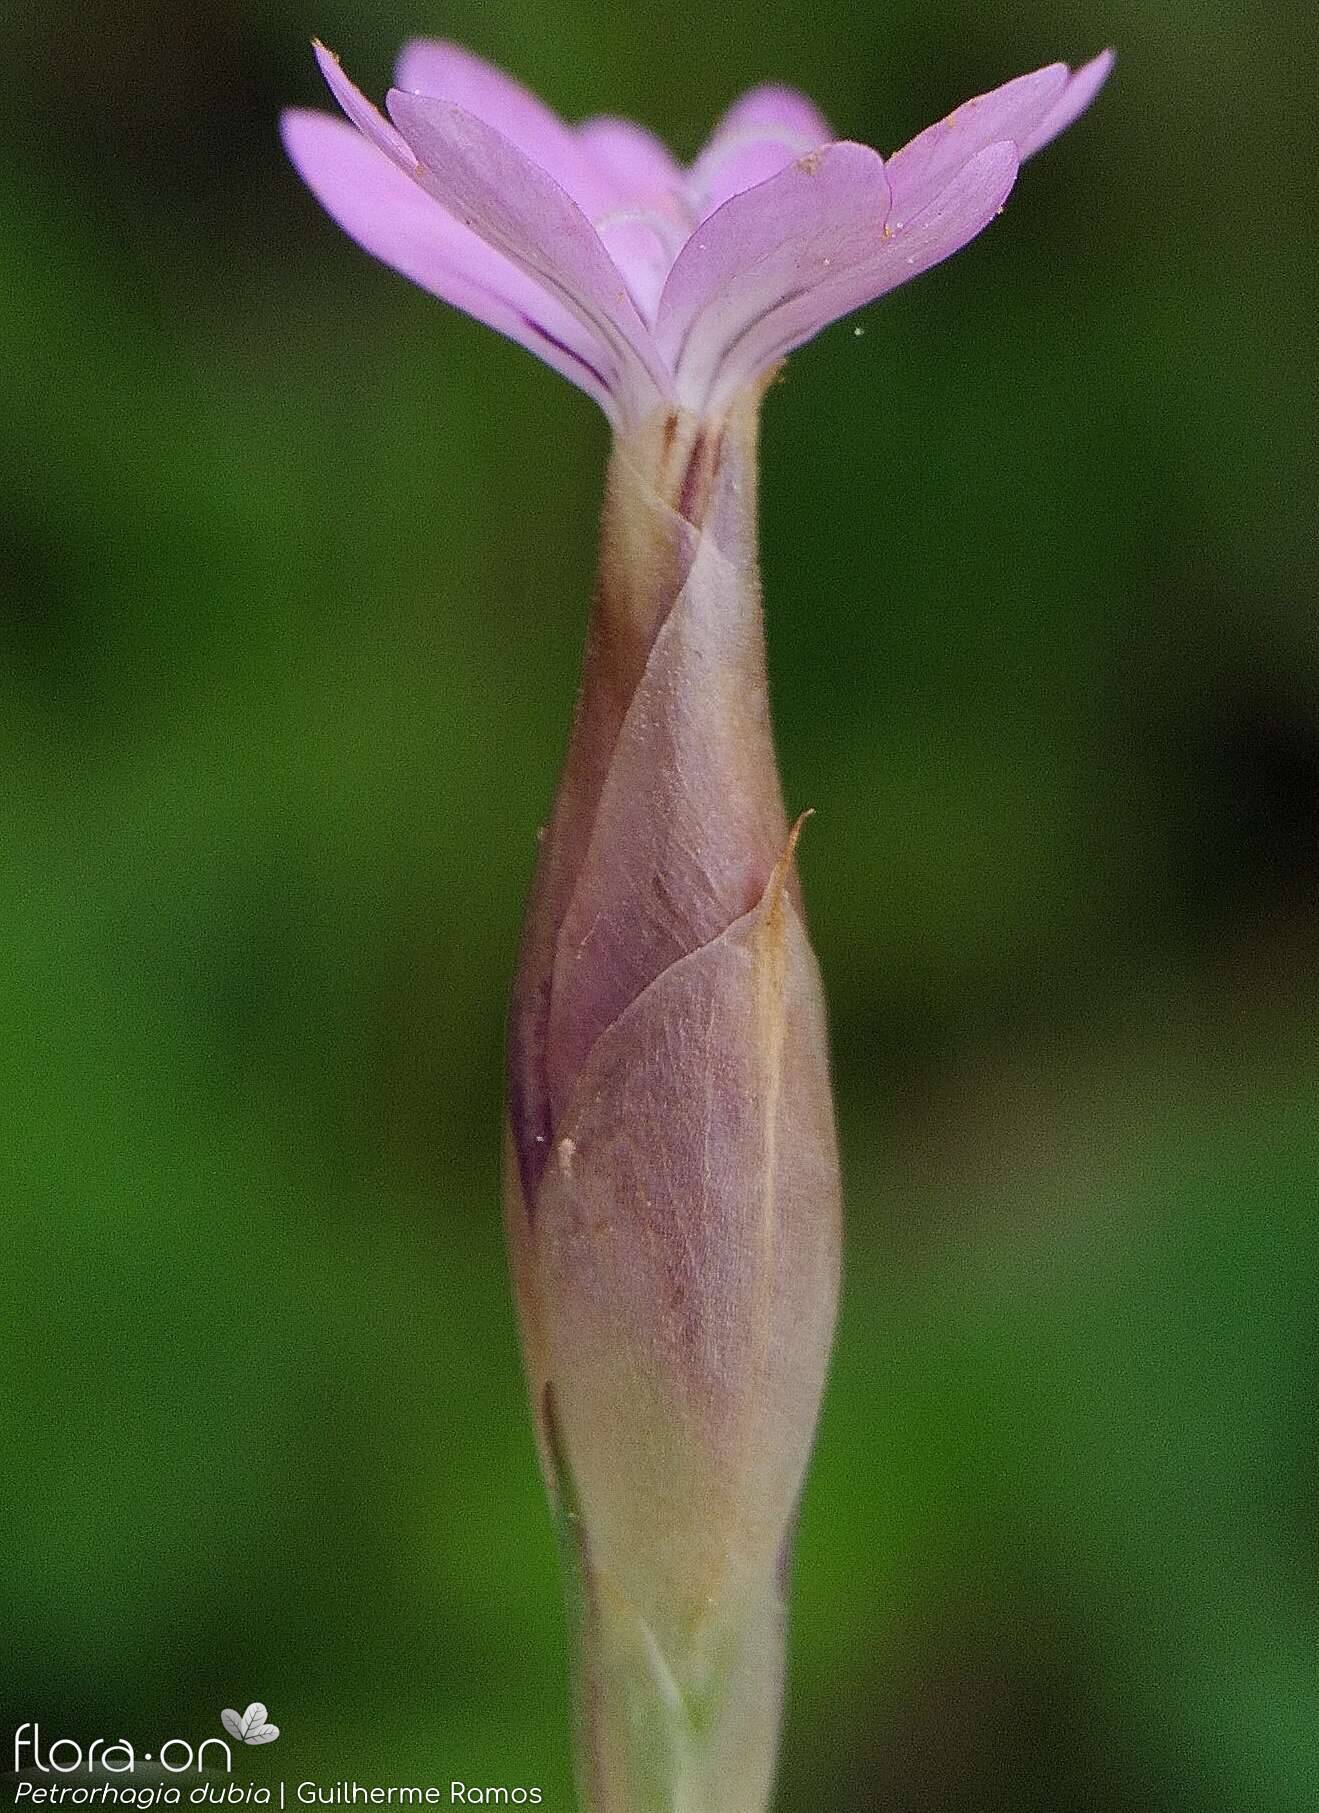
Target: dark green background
x=293 y=564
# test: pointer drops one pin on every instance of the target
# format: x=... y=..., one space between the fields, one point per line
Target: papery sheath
x=673 y=1199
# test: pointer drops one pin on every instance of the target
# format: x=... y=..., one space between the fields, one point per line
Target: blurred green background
x=293 y=566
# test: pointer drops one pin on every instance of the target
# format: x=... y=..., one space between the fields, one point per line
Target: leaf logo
x=250 y=1727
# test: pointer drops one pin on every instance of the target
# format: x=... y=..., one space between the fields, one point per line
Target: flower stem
x=691 y=1733
x=674 y=1721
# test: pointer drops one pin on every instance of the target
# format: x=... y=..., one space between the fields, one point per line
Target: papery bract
x=673 y=1196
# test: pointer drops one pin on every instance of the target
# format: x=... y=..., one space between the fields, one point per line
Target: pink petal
x=393 y=218
x=759 y=134
x=1014 y=111
x=1081 y=89
x=640 y=167
x=774 y=108
x=367 y=118
x=643 y=247
x=963 y=208
x=649 y=222
x=779 y=263
x=759 y=255
x=492 y=187
x=446 y=72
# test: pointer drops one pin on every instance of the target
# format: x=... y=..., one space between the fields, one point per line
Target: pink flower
x=645 y=282
x=673 y=1200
